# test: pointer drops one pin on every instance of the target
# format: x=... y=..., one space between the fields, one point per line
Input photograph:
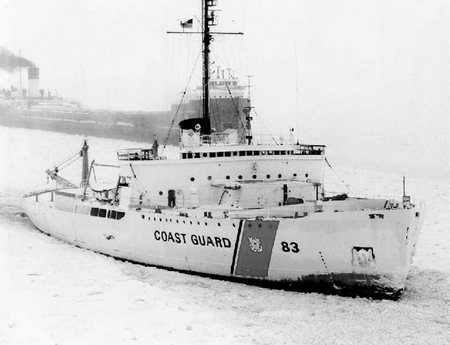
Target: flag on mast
x=187 y=24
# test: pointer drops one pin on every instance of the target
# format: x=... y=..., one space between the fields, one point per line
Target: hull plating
x=345 y=252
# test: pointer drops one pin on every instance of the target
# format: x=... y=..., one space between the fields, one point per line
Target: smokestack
x=33 y=82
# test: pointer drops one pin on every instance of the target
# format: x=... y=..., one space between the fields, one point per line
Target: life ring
x=198 y=127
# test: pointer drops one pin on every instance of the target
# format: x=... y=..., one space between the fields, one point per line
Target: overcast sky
x=359 y=64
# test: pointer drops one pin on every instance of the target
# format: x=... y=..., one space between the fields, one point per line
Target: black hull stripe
x=236 y=246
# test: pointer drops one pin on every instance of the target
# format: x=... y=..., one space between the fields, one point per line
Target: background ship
x=34 y=107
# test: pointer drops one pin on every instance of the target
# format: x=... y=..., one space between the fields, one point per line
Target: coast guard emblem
x=255 y=244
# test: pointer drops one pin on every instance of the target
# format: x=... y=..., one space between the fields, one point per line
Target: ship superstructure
x=235 y=206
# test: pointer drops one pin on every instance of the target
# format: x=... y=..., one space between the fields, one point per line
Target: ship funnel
x=33 y=82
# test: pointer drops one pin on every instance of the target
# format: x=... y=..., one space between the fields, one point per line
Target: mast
x=85 y=164
x=207 y=22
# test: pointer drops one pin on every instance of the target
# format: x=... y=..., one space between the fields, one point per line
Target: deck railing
x=137 y=155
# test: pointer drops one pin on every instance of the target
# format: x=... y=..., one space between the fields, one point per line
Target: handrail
x=136 y=154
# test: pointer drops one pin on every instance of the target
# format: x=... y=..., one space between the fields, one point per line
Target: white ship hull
x=351 y=251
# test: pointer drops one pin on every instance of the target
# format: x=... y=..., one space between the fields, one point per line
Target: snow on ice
x=54 y=293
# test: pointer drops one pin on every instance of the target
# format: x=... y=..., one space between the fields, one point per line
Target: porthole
x=209 y=178
x=254 y=177
x=177 y=221
x=198 y=223
x=190 y=222
x=192 y=179
x=142 y=216
x=160 y=193
x=295 y=175
x=267 y=176
x=166 y=220
x=240 y=177
x=218 y=224
x=235 y=153
x=228 y=177
x=205 y=154
x=206 y=224
x=279 y=175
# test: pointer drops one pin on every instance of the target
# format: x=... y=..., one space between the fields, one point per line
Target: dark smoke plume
x=9 y=61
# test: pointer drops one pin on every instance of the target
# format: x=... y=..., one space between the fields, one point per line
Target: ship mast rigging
x=208 y=21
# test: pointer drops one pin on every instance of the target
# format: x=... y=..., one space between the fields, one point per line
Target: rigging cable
x=179 y=105
x=142 y=187
x=296 y=89
x=67 y=163
x=265 y=126
x=77 y=154
x=93 y=171
x=339 y=178
x=237 y=110
x=106 y=165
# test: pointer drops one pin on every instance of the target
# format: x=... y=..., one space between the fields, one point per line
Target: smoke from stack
x=10 y=61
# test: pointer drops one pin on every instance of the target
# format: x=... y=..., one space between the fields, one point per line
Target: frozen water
x=54 y=293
